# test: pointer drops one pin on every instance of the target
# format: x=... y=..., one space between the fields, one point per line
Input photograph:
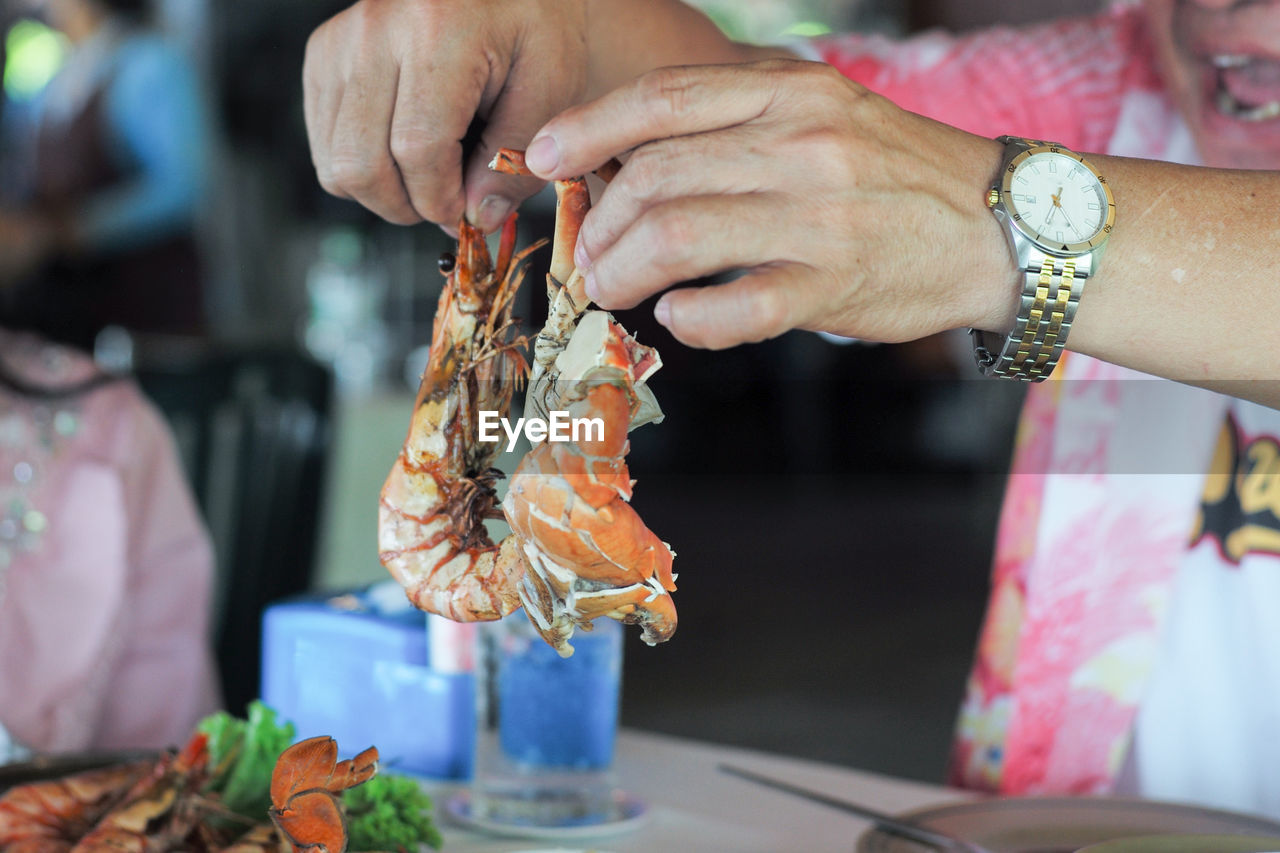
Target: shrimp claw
x=305 y=785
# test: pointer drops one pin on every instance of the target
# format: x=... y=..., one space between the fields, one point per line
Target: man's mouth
x=1246 y=88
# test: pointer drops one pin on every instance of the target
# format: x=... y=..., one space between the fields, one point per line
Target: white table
x=694 y=807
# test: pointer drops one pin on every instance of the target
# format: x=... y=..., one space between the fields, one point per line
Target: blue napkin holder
x=352 y=667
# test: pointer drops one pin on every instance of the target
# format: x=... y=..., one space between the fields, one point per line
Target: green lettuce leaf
x=242 y=754
x=390 y=813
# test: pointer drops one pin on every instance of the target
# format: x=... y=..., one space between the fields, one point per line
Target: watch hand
x=1049 y=218
x=1070 y=224
x=1057 y=206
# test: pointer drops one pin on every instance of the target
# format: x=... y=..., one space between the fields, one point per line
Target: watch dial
x=1057 y=198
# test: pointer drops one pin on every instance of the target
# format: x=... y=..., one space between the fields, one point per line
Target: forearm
x=1189 y=287
x=626 y=38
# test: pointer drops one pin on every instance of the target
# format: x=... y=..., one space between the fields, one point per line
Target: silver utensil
x=900 y=827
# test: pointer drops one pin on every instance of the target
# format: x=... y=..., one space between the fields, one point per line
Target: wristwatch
x=1057 y=212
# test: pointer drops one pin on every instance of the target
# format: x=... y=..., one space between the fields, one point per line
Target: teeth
x=1228 y=105
x=1230 y=60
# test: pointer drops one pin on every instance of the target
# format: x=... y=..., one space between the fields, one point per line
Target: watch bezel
x=1055 y=248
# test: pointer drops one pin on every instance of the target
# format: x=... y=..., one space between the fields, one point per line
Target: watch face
x=1058 y=200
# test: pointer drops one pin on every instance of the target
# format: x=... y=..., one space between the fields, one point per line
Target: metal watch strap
x=1051 y=289
x=1047 y=306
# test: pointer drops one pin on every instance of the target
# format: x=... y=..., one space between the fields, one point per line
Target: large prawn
x=577 y=550
x=431 y=533
x=587 y=551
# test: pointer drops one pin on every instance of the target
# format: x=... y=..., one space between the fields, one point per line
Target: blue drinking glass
x=547 y=725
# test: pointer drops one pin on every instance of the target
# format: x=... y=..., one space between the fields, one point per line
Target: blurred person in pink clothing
x=105 y=565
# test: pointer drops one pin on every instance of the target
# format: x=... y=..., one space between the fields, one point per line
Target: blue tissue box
x=348 y=667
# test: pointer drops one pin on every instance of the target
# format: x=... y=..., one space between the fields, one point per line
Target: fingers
x=662 y=171
x=760 y=305
x=524 y=103
x=491 y=196
x=388 y=100
x=664 y=103
x=425 y=137
x=680 y=240
x=351 y=74
x=320 y=102
x=360 y=164
x=394 y=87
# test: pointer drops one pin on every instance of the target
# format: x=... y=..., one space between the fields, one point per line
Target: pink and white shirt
x=1128 y=642
x=105 y=566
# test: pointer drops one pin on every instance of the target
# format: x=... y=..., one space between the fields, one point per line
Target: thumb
x=517 y=114
x=492 y=196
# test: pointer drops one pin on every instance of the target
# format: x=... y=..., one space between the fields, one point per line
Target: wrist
x=997 y=284
x=994 y=282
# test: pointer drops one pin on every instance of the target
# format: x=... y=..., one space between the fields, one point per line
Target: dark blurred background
x=833 y=506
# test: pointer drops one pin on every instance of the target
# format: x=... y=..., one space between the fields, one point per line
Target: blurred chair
x=253 y=427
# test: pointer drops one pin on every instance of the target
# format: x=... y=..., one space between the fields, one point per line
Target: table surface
x=694 y=807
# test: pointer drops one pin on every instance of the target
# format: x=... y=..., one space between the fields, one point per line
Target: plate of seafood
x=1065 y=824
x=164 y=801
x=627 y=812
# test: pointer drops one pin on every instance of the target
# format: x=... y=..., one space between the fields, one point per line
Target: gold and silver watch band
x=1050 y=295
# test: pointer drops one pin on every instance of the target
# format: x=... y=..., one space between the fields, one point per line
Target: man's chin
x=1231 y=143
x=1228 y=85
x=1232 y=134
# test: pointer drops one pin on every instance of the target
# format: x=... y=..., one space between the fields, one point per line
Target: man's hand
x=407 y=100
x=846 y=213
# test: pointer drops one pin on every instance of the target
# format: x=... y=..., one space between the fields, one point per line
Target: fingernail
x=589 y=285
x=580 y=259
x=493 y=211
x=543 y=155
x=662 y=311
